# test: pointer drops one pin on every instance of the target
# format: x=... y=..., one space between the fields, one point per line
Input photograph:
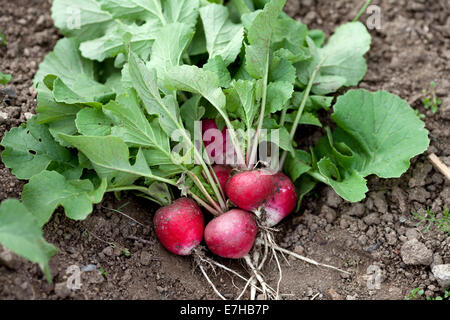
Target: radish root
x=204 y=262
x=211 y=283
x=268 y=292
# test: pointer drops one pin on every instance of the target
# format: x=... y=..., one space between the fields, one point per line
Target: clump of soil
x=120 y=258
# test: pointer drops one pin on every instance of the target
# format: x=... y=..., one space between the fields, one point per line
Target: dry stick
x=300 y=110
x=138 y=239
x=125 y=215
x=315 y=296
x=212 y=284
x=439 y=165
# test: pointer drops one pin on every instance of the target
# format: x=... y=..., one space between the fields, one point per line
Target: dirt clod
x=414 y=252
x=8 y=258
x=62 y=291
x=442 y=274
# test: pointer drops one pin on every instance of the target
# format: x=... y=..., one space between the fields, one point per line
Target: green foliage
x=417 y=293
x=5 y=78
x=431 y=101
x=20 y=232
x=130 y=74
x=430 y=219
x=2 y=39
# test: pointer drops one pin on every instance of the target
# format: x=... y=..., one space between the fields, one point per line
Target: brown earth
x=411 y=49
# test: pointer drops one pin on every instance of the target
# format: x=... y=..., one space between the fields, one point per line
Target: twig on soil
x=138 y=239
x=315 y=296
x=125 y=215
x=439 y=165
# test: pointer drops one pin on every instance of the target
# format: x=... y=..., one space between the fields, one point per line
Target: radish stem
x=241 y=6
x=202 y=188
x=213 y=173
x=300 y=111
x=211 y=210
x=261 y=118
x=363 y=9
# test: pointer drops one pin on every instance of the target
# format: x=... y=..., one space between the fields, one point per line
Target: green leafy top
x=122 y=90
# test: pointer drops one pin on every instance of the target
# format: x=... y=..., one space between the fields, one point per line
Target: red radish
x=209 y=137
x=179 y=226
x=250 y=189
x=232 y=234
x=282 y=202
x=208 y=124
x=222 y=173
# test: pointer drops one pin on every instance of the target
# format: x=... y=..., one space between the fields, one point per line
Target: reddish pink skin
x=208 y=124
x=222 y=173
x=283 y=201
x=179 y=226
x=232 y=234
x=250 y=189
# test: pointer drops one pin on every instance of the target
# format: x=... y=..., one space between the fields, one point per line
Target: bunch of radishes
x=263 y=198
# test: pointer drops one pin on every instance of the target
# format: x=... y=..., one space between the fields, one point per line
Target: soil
x=411 y=49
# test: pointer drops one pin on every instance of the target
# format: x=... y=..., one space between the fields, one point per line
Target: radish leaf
x=21 y=233
x=378 y=133
x=30 y=149
x=93 y=122
x=170 y=44
x=381 y=129
x=82 y=19
x=76 y=196
x=223 y=37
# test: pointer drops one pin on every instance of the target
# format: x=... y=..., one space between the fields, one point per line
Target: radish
x=232 y=234
x=250 y=189
x=222 y=173
x=281 y=203
x=179 y=226
x=210 y=137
